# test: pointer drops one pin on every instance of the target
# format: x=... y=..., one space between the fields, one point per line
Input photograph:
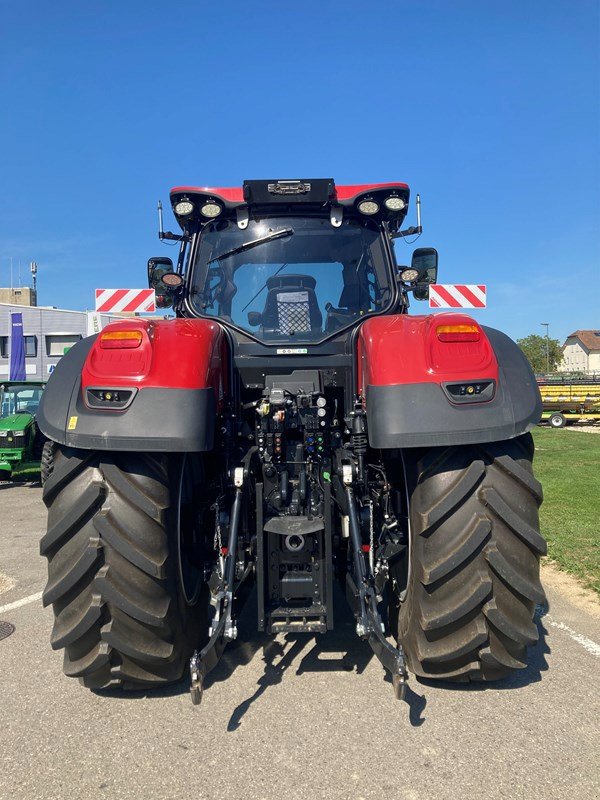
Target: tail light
x=458 y=333
x=114 y=340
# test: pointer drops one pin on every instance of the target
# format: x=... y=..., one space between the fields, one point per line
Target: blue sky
x=489 y=110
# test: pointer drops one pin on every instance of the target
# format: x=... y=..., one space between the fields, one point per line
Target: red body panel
x=402 y=349
x=232 y=194
x=174 y=354
x=349 y=192
x=235 y=194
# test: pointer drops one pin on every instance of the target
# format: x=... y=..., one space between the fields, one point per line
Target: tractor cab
x=19 y=398
x=286 y=261
x=20 y=439
x=301 y=281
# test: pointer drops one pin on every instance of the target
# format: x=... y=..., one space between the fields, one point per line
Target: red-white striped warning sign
x=125 y=300
x=457 y=295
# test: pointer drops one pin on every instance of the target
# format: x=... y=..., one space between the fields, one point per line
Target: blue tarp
x=17 y=349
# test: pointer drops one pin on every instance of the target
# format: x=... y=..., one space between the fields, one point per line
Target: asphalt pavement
x=296 y=717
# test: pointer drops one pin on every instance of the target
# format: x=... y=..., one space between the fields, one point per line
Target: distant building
x=48 y=332
x=20 y=296
x=581 y=352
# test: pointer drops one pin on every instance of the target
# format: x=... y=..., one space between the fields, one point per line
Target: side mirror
x=164 y=280
x=254 y=318
x=425 y=262
x=157 y=267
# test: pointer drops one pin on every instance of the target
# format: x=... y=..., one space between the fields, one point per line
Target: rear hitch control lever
x=223 y=628
x=369 y=624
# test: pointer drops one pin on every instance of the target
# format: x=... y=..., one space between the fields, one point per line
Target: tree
x=534 y=347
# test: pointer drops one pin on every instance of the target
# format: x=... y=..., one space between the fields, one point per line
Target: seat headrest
x=285 y=281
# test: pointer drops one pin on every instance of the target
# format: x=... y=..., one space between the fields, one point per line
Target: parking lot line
x=589 y=644
x=22 y=602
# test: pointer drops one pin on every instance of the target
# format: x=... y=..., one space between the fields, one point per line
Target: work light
x=409 y=275
x=210 y=210
x=172 y=279
x=394 y=203
x=183 y=208
x=368 y=207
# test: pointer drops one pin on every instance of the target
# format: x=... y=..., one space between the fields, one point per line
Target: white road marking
x=22 y=602
x=589 y=645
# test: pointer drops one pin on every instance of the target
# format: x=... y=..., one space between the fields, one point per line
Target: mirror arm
x=175 y=237
x=410 y=287
x=408 y=232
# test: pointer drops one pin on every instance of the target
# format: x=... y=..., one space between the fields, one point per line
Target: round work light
x=394 y=203
x=210 y=210
x=368 y=207
x=183 y=208
x=409 y=275
x=172 y=279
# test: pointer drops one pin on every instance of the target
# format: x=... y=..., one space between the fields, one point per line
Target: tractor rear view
x=294 y=426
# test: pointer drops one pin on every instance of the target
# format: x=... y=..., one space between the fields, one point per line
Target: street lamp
x=547 y=325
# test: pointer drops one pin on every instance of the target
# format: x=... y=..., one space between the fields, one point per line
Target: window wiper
x=247 y=245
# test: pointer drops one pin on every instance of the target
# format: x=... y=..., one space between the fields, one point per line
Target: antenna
x=412 y=231
x=33 y=268
x=161 y=233
x=168 y=235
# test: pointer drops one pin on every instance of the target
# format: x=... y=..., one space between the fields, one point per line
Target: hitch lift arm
x=369 y=624
x=223 y=628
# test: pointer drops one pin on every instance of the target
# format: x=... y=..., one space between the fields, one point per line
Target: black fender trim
x=158 y=419
x=421 y=415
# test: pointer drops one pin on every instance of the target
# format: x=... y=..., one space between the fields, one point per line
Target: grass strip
x=568 y=465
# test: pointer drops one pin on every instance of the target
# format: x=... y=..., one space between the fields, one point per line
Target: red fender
x=423 y=387
x=173 y=354
x=402 y=349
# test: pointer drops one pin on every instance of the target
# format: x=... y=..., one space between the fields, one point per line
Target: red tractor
x=291 y=427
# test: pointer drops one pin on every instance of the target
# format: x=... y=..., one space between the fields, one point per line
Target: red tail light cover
x=405 y=349
x=176 y=354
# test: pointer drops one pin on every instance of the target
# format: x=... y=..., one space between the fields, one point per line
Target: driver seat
x=291 y=305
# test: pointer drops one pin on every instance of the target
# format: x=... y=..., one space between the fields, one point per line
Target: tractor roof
x=277 y=193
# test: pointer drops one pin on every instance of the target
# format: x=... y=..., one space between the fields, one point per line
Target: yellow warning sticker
x=72 y=423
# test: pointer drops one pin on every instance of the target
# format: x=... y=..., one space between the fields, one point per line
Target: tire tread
x=111 y=570
x=468 y=613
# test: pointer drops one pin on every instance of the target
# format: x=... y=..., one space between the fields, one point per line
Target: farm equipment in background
x=291 y=427
x=21 y=442
x=569 y=398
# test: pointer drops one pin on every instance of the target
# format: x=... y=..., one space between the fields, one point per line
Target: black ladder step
x=317 y=610
x=298 y=626
x=298 y=619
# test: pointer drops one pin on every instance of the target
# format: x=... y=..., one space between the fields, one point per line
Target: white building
x=581 y=352
x=48 y=332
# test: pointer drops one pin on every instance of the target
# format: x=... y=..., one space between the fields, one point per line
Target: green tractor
x=21 y=441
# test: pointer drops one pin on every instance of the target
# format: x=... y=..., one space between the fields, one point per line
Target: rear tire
x=111 y=545
x=475 y=547
x=47 y=460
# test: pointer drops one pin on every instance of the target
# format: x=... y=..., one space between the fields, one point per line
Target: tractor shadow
x=309 y=653
x=339 y=650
